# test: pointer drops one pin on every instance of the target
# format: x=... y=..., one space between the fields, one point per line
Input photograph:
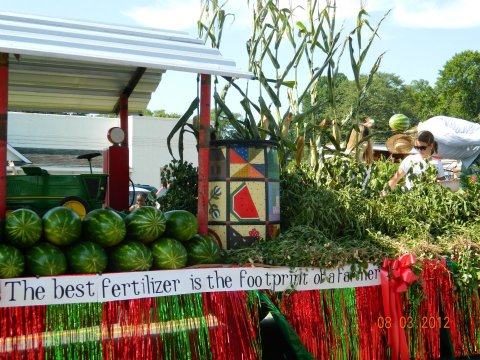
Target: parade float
x=351 y=275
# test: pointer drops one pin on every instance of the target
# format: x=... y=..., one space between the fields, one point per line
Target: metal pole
x=124 y=117
x=204 y=153
x=3 y=132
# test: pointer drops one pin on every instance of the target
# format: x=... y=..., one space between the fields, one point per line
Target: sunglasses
x=420 y=148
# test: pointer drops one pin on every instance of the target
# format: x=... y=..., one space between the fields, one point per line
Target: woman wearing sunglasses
x=425 y=146
x=457 y=138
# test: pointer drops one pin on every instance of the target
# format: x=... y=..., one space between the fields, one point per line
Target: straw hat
x=399 y=144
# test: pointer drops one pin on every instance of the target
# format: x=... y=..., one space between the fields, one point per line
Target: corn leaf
x=303 y=28
x=265 y=111
x=250 y=124
x=269 y=90
x=181 y=123
x=231 y=118
x=295 y=60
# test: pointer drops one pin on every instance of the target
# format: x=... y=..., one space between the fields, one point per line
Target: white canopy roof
x=59 y=65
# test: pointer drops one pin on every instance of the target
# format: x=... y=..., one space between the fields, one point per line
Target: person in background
x=426 y=146
x=362 y=149
x=457 y=139
x=139 y=203
x=11 y=165
x=356 y=139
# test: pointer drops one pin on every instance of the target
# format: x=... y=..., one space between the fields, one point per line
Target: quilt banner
x=64 y=289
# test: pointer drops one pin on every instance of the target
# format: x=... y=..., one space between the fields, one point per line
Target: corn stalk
x=277 y=49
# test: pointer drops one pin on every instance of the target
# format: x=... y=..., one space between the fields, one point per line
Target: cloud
x=170 y=14
x=176 y=15
x=434 y=14
x=437 y=14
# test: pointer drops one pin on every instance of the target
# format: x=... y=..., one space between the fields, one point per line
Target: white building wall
x=59 y=131
x=149 y=150
x=147 y=139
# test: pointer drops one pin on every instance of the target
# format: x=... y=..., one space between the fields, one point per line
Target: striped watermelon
x=23 y=227
x=181 y=225
x=399 y=122
x=45 y=259
x=104 y=227
x=145 y=224
x=12 y=262
x=168 y=253
x=131 y=256
x=62 y=226
x=87 y=257
x=203 y=250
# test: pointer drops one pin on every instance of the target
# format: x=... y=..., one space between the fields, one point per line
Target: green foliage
x=182 y=127
x=161 y=114
x=420 y=99
x=386 y=95
x=459 y=85
x=464 y=256
x=328 y=223
x=181 y=180
x=470 y=180
x=305 y=246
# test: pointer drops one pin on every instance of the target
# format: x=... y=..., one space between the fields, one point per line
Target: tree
x=160 y=113
x=325 y=109
x=422 y=99
x=385 y=97
x=459 y=86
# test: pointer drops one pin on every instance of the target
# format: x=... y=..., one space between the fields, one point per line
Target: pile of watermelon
x=60 y=242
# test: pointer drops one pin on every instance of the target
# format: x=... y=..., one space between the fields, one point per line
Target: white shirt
x=419 y=165
x=456 y=138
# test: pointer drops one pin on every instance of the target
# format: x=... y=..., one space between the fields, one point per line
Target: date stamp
x=425 y=322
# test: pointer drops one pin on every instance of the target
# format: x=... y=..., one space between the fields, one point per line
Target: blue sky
x=418 y=37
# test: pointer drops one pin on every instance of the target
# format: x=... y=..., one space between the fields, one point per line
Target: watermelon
x=181 y=225
x=203 y=250
x=62 y=226
x=145 y=224
x=12 y=262
x=23 y=227
x=45 y=259
x=168 y=253
x=87 y=257
x=131 y=256
x=104 y=227
x=399 y=122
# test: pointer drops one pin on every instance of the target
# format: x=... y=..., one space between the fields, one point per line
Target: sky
x=418 y=36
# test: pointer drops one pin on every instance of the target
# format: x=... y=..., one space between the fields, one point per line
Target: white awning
x=59 y=65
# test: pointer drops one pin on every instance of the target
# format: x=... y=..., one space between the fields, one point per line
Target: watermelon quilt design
x=244 y=193
x=247 y=201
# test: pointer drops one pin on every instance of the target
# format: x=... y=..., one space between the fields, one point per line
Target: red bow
x=396 y=276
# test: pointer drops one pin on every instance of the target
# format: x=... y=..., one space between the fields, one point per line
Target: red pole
x=118 y=166
x=3 y=132
x=124 y=117
x=203 y=153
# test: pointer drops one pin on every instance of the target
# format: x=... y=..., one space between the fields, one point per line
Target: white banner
x=72 y=289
